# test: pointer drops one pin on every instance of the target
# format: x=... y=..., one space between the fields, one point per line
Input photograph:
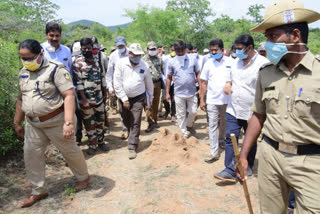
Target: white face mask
x=152 y=53
x=51 y=49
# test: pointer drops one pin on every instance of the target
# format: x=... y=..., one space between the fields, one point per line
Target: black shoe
x=212 y=159
x=192 y=130
x=103 y=147
x=150 y=127
x=91 y=151
x=156 y=125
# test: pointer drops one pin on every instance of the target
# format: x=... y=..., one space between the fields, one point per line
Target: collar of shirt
x=307 y=62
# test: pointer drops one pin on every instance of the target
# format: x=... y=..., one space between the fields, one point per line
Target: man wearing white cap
x=132 y=79
x=287 y=110
x=121 y=52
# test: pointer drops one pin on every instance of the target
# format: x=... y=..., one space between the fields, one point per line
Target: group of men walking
x=276 y=94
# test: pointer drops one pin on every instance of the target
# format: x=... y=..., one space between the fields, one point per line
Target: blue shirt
x=184 y=70
x=62 y=54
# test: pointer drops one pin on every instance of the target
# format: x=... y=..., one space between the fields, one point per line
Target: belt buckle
x=287 y=148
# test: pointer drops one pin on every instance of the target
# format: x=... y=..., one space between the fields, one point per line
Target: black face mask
x=87 y=54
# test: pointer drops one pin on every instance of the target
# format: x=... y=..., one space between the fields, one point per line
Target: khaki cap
x=286 y=12
x=136 y=49
x=151 y=45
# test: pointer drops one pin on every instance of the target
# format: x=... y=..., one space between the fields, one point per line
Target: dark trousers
x=170 y=109
x=233 y=126
x=79 y=122
x=132 y=119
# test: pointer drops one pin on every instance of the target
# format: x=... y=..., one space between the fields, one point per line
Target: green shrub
x=9 y=69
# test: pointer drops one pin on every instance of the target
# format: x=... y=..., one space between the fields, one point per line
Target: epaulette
x=265 y=65
x=59 y=64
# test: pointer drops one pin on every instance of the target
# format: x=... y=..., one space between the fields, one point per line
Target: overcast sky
x=111 y=12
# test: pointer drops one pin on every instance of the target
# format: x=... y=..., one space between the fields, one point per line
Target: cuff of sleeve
x=254 y=109
x=65 y=88
x=123 y=99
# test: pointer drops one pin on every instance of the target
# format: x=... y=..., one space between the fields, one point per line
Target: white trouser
x=184 y=105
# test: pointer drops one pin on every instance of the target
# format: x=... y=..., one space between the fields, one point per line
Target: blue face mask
x=216 y=56
x=121 y=50
x=240 y=54
x=135 y=60
x=275 y=51
x=234 y=55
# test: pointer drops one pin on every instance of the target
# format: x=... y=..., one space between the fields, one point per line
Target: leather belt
x=309 y=149
x=50 y=115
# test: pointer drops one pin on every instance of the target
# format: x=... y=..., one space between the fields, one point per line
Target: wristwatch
x=68 y=123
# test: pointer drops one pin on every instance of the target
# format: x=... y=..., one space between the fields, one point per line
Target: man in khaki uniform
x=287 y=110
x=155 y=64
x=47 y=104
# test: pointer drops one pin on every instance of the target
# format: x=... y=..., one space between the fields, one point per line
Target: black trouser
x=79 y=122
x=132 y=119
x=167 y=106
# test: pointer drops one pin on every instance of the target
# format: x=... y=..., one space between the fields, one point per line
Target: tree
x=19 y=15
x=194 y=22
x=152 y=24
x=254 y=12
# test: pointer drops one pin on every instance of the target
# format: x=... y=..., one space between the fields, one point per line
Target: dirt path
x=168 y=176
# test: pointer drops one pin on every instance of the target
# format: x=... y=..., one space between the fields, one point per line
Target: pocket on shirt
x=307 y=105
x=271 y=100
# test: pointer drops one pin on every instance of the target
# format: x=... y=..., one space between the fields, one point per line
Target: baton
x=239 y=166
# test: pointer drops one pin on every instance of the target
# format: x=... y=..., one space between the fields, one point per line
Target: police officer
x=287 y=110
x=46 y=102
x=155 y=64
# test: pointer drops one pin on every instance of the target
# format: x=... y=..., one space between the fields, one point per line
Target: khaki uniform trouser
x=37 y=137
x=152 y=112
x=278 y=172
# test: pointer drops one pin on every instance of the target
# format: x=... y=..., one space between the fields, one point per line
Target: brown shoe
x=32 y=199
x=82 y=184
x=212 y=159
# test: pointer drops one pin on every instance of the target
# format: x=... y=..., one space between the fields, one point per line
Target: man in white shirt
x=121 y=52
x=53 y=50
x=132 y=79
x=214 y=75
x=242 y=87
x=185 y=71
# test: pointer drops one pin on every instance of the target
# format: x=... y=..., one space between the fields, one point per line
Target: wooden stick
x=237 y=155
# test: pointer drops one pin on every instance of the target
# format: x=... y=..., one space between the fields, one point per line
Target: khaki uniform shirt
x=155 y=65
x=33 y=104
x=290 y=101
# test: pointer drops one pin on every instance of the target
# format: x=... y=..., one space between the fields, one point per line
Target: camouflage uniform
x=156 y=66
x=90 y=79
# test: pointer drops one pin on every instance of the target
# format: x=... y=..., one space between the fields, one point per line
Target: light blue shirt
x=62 y=54
x=184 y=71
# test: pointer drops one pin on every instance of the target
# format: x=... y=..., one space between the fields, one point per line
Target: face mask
x=135 y=60
x=87 y=54
x=121 y=50
x=51 y=49
x=173 y=54
x=240 y=54
x=31 y=65
x=152 y=53
x=275 y=51
x=95 y=52
x=234 y=55
x=216 y=56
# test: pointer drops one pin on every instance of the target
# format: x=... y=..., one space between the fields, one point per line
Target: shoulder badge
x=265 y=65
x=67 y=76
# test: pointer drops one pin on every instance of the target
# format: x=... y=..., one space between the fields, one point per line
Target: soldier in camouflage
x=91 y=89
x=155 y=64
